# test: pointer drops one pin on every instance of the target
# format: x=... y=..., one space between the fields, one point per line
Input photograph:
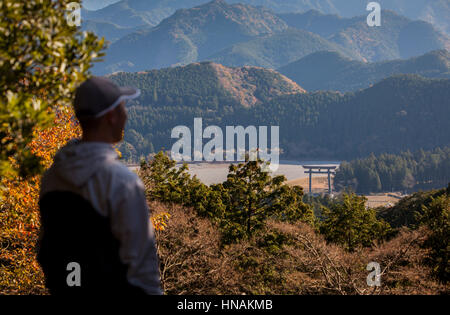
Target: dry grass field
x=386 y=199
x=319 y=183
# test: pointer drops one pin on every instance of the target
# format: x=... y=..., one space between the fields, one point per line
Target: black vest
x=73 y=231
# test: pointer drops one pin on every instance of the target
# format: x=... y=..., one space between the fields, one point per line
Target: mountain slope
x=332 y=71
x=190 y=35
x=176 y=95
x=397 y=37
x=275 y=50
x=110 y=31
x=236 y=35
x=399 y=113
x=435 y=12
x=97 y=4
x=132 y=13
x=239 y=86
x=316 y=22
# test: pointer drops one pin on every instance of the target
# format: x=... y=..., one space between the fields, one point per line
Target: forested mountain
x=110 y=31
x=238 y=34
x=275 y=50
x=208 y=84
x=432 y=11
x=312 y=125
x=397 y=37
x=435 y=11
x=253 y=233
x=328 y=70
x=190 y=35
x=132 y=13
x=176 y=95
x=317 y=22
x=401 y=113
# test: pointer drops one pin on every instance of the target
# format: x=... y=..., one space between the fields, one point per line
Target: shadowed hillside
x=320 y=125
x=327 y=70
x=397 y=37
x=190 y=35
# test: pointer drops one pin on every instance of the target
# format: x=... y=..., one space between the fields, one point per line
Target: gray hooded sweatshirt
x=93 y=171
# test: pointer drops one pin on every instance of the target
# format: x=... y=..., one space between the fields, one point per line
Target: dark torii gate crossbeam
x=320 y=169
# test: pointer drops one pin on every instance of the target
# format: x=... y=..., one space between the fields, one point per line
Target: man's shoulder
x=120 y=173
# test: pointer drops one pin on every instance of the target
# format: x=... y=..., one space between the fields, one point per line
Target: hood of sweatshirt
x=77 y=161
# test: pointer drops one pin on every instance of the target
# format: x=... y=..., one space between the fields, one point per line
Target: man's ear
x=111 y=116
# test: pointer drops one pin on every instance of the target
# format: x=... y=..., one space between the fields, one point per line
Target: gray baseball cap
x=98 y=95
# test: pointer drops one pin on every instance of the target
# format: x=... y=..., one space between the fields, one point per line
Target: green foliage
x=388 y=172
x=318 y=202
x=273 y=242
x=164 y=181
x=437 y=217
x=408 y=210
x=253 y=196
x=18 y=117
x=240 y=206
x=350 y=224
x=42 y=60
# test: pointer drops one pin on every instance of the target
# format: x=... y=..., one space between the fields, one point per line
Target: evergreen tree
x=437 y=217
x=350 y=224
x=253 y=196
x=388 y=172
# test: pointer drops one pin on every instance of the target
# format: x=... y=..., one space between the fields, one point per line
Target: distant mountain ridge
x=435 y=12
x=397 y=37
x=110 y=31
x=275 y=50
x=196 y=34
x=132 y=13
x=331 y=71
x=238 y=35
x=93 y=5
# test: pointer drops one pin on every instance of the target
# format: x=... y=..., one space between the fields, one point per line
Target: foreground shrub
x=350 y=224
x=285 y=258
x=241 y=205
x=19 y=213
x=191 y=259
x=437 y=217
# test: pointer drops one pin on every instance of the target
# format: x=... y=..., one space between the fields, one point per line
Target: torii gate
x=313 y=169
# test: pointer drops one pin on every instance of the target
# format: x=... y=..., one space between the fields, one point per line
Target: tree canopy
x=42 y=60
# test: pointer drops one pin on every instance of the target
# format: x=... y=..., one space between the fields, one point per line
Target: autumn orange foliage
x=20 y=272
x=19 y=214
